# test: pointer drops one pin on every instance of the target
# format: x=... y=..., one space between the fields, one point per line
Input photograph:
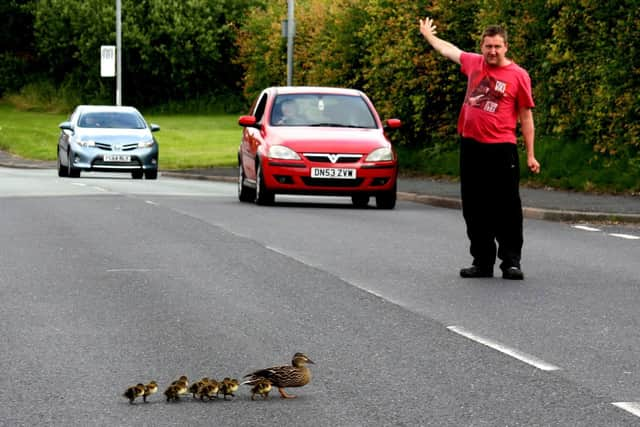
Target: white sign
x=107 y=61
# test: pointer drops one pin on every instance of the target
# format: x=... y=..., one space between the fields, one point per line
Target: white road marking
x=293 y=257
x=631 y=407
x=585 y=228
x=624 y=236
x=524 y=357
x=150 y=202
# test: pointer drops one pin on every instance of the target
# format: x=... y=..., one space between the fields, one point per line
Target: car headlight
x=282 y=152
x=379 y=155
x=87 y=143
x=146 y=144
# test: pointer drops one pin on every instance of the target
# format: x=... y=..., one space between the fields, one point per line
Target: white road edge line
x=526 y=358
x=625 y=236
x=631 y=407
x=585 y=228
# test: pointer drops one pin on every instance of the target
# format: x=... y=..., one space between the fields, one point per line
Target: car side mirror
x=392 y=124
x=154 y=127
x=66 y=126
x=248 y=122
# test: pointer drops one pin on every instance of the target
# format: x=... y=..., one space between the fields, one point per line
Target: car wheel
x=137 y=174
x=263 y=195
x=71 y=171
x=152 y=174
x=360 y=200
x=387 y=199
x=245 y=194
x=62 y=170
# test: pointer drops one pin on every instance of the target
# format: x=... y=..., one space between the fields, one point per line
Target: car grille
x=120 y=147
x=332 y=158
x=323 y=182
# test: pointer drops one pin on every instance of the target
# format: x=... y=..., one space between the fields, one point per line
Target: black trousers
x=491 y=206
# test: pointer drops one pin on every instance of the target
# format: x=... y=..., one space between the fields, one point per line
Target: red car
x=319 y=141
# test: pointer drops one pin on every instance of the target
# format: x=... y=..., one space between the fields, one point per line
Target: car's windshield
x=322 y=110
x=111 y=120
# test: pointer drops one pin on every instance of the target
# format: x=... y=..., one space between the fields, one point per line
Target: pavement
x=538 y=203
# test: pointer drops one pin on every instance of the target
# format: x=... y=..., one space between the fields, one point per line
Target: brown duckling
x=194 y=389
x=210 y=390
x=228 y=386
x=262 y=387
x=296 y=375
x=133 y=392
x=173 y=392
x=149 y=389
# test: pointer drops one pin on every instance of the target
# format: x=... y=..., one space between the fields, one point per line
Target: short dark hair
x=495 y=30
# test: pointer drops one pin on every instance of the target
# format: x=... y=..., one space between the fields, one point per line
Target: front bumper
x=287 y=177
x=92 y=159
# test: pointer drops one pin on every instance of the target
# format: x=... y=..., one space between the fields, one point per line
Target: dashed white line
x=585 y=228
x=524 y=357
x=625 y=236
x=631 y=407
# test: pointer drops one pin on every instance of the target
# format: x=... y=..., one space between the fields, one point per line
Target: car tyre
x=245 y=194
x=152 y=174
x=387 y=199
x=360 y=200
x=62 y=170
x=263 y=195
x=71 y=171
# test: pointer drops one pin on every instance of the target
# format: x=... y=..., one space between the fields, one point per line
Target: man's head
x=494 y=46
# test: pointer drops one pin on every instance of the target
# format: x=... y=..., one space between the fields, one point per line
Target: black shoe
x=512 y=273
x=475 y=271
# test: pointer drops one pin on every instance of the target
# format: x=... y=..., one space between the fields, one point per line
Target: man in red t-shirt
x=498 y=96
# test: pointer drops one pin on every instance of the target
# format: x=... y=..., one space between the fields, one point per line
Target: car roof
x=105 y=108
x=289 y=90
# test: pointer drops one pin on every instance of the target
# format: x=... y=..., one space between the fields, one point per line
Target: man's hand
x=533 y=164
x=427 y=28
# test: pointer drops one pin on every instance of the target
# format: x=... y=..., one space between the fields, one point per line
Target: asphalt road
x=106 y=282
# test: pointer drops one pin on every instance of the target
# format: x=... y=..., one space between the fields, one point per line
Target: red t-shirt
x=494 y=97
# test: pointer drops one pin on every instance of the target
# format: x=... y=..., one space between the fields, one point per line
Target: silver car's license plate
x=340 y=173
x=117 y=158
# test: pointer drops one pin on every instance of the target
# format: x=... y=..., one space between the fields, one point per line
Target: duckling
x=149 y=389
x=296 y=375
x=173 y=392
x=196 y=387
x=182 y=379
x=262 y=387
x=133 y=392
x=228 y=386
x=210 y=390
x=182 y=385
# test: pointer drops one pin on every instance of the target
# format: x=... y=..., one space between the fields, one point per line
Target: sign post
x=291 y=31
x=118 y=53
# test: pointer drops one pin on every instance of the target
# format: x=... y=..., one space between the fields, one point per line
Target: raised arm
x=448 y=50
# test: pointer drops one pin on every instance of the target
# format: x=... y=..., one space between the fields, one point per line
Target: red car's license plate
x=341 y=173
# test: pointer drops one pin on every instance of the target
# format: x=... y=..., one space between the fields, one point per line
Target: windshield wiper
x=334 y=125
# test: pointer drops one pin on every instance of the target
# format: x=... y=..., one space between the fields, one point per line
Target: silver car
x=107 y=139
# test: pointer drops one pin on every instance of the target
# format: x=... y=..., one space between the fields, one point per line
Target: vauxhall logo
x=333 y=157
